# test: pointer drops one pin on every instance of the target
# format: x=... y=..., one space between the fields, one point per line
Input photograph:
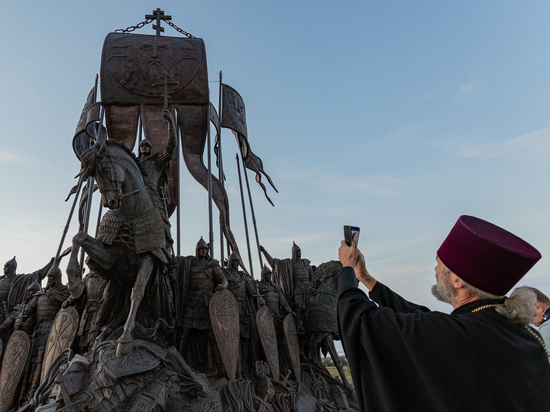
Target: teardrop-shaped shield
x=61 y=336
x=291 y=337
x=224 y=316
x=13 y=366
x=268 y=337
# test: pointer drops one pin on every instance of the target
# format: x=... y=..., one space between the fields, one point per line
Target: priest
x=481 y=357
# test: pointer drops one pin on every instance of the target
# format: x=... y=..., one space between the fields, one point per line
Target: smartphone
x=349 y=231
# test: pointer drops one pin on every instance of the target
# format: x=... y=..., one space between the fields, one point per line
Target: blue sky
x=395 y=116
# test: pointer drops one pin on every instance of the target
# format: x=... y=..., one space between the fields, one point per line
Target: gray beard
x=444 y=291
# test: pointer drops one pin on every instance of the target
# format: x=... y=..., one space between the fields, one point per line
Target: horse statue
x=131 y=246
x=321 y=320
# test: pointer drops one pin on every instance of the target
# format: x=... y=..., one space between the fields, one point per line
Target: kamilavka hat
x=486 y=256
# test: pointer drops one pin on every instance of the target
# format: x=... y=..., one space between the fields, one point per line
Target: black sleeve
x=384 y=296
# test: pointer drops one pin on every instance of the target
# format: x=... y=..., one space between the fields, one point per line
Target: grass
x=334 y=373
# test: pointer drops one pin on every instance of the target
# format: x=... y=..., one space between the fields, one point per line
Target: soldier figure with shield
x=243 y=288
x=200 y=278
x=278 y=306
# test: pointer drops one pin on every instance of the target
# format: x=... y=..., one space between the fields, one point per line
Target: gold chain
x=485 y=307
x=532 y=332
x=526 y=327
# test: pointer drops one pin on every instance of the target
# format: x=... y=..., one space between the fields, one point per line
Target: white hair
x=520 y=306
x=478 y=292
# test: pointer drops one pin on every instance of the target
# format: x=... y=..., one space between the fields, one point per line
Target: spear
x=220 y=159
x=253 y=217
x=210 y=225
x=244 y=218
x=66 y=229
x=90 y=191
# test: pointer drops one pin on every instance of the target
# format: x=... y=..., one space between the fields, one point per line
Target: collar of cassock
x=477 y=305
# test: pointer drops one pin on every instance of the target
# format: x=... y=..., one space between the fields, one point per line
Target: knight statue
x=86 y=296
x=155 y=171
x=199 y=276
x=276 y=302
x=243 y=288
x=294 y=275
x=45 y=307
x=13 y=289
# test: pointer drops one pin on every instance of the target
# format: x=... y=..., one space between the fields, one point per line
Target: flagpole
x=90 y=192
x=97 y=133
x=66 y=229
x=244 y=218
x=253 y=215
x=178 y=215
x=210 y=225
x=220 y=159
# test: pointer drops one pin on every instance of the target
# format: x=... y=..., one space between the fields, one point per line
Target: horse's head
x=99 y=163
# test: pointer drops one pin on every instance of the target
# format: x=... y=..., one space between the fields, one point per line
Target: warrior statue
x=45 y=306
x=199 y=278
x=17 y=320
x=294 y=276
x=275 y=300
x=155 y=171
x=86 y=296
x=13 y=289
x=244 y=290
x=321 y=319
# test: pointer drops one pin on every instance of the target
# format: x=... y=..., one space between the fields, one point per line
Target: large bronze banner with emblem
x=61 y=336
x=13 y=366
x=138 y=72
x=224 y=316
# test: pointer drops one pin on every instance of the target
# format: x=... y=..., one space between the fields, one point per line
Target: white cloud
x=463 y=92
x=385 y=186
x=536 y=143
x=8 y=156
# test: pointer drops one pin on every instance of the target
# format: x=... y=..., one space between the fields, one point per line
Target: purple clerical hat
x=487 y=256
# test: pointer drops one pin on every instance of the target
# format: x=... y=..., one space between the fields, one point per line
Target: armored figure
x=17 y=320
x=86 y=295
x=243 y=288
x=155 y=171
x=203 y=276
x=45 y=306
x=294 y=275
x=13 y=289
x=275 y=300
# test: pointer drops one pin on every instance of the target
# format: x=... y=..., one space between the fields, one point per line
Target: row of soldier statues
x=305 y=292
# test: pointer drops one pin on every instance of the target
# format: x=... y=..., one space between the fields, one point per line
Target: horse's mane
x=324 y=271
x=89 y=156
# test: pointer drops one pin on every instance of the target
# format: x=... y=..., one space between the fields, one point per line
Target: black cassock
x=403 y=357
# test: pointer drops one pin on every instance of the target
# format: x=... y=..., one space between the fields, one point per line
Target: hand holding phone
x=349 y=232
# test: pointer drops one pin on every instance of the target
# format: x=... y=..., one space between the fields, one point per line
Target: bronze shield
x=291 y=337
x=224 y=316
x=13 y=366
x=268 y=337
x=61 y=336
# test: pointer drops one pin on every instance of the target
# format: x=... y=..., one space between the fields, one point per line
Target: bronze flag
x=135 y=72
x=234 y=118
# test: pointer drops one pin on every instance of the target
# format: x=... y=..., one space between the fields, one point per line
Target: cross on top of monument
x=158 y=15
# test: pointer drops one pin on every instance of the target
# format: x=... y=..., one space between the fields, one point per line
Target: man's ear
x=540 y=307
x=456 y=282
